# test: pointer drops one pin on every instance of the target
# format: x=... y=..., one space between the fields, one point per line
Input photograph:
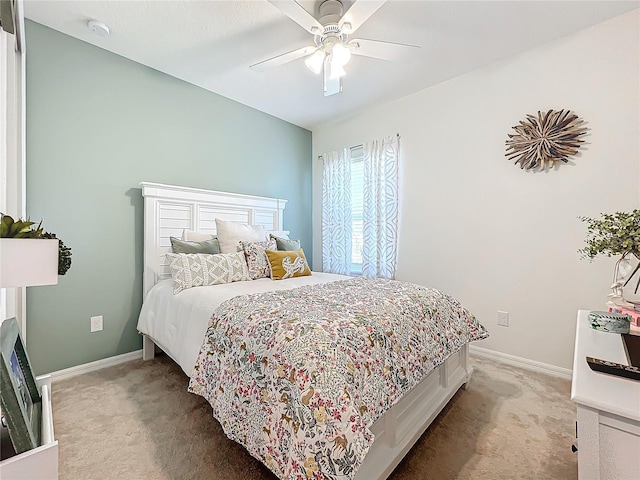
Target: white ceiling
x=211 y=44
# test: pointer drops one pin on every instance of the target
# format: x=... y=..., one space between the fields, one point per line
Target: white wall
x=482 y=229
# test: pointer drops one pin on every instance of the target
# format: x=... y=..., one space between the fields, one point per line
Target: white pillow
x=193 y=236
x=197 y=269
x=230 y=234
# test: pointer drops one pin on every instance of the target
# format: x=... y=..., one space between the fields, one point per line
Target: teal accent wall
x=97 y=125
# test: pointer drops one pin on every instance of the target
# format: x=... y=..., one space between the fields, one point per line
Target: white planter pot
x=28 y=262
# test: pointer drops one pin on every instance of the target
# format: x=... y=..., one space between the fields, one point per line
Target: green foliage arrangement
x=20 y=229
x=10 y=228
x=612 y=234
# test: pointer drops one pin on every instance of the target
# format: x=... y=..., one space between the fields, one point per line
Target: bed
x=183 y=327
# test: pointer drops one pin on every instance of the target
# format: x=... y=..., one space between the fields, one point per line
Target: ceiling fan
x=332 y=47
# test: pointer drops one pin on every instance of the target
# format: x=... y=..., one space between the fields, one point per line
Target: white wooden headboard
x=170 y=209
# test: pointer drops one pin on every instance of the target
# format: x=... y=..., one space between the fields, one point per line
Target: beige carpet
x=137 y=421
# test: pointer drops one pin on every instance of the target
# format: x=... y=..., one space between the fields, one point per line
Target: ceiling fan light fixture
x=331 y=28
x=335 y=69
x=341 y=55
x=314 y=61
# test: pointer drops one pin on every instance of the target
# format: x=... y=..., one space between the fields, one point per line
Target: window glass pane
x=357 y=195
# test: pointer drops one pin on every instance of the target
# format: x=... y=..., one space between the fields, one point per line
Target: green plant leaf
x=612 y=234
x=5 y=225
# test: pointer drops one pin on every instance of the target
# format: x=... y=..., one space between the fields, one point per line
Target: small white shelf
x=40 y=462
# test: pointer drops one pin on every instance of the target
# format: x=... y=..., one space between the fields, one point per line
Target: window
x=360 y=209
x=357 y=200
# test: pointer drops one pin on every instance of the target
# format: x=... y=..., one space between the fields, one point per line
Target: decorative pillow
x=198 y=269
x=230 y=234
x=210 y=246
x=256 y=258
x=286 y=264
x=193 y=236
x=279 y=233
x=286 y=244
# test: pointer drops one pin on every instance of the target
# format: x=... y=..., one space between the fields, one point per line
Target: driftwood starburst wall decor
x=542 y=140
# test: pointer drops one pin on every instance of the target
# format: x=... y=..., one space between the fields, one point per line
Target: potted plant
x=15 y=251
x=614 y=234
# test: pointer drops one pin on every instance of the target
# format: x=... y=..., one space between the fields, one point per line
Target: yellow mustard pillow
x=287 y=264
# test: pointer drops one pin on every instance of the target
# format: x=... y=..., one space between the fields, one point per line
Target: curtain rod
x=359 y=146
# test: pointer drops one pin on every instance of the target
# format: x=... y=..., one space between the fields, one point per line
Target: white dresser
x=608 y=409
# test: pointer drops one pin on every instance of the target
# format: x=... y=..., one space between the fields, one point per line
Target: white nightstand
x=608 y=408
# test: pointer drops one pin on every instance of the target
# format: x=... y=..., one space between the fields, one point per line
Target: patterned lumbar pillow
x=210 y=246
x=285 y=243
x=198 y=269
x=256 y=258
x=287 y=264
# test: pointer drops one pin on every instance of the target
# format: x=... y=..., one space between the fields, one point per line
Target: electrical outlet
x=503 y=319
x=96 y=323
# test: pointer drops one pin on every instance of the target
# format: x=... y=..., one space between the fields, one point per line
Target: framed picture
x=20 y=400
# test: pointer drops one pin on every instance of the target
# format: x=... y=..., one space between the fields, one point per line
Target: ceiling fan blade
x=359 y=12
x=283 y=58
x=331 y=85
x=298 y=14
x=383 y=50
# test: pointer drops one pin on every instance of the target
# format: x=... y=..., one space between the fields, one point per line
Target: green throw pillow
x=211 y=246
x=284 y=244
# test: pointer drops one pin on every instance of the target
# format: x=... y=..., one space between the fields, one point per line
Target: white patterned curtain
x=380 y=208
x=336 y=212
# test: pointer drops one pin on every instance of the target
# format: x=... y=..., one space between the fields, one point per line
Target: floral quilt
x=298 y=376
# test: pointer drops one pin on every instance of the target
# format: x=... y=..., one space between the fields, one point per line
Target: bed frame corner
x=148 y=348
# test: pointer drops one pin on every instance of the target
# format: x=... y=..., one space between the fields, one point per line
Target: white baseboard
x=521 y=362
x=97 y=365
x=473 y=350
